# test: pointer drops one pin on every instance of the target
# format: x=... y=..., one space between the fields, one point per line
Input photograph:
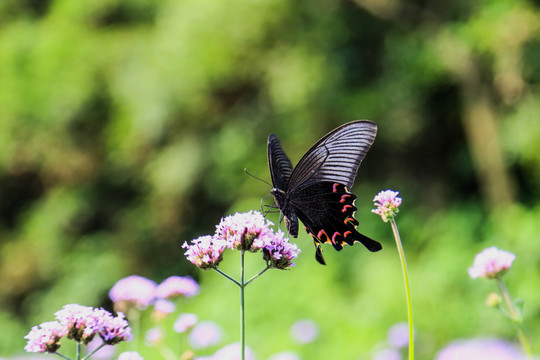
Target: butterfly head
x=279 y=196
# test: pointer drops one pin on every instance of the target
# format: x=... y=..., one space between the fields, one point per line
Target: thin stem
x=167 y=353
x=256 y=276
x=242 y=307
x=62 y=356
x=227 y=276
x=407 y=288
x=93 y=352
x=134 y=317
x=516 y=318
x=78 y=351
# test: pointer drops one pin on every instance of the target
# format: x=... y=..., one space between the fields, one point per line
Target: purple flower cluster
x=184 y=322
x=246 y=232
x=491 y=263
x=243 y=231
x=205 y=252
x=387 y=203
x=139 y=292
x=133 y=291
x=80 y=323
x=176 y=286
x=279 y=252
x=45 y=337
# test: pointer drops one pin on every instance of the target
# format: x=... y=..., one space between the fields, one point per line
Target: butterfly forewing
x=336 y=157
x=280 y=165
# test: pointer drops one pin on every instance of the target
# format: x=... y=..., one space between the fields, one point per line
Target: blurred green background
x=125 y=126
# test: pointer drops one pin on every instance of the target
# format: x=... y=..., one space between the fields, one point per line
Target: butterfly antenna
x=266 y=182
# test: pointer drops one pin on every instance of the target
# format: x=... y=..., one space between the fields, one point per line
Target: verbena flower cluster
x=387 y=203
x=491 y=263
x=246 y=232
x=80 y=323
x=139 y=292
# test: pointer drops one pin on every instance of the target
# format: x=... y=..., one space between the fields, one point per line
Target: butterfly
x=316 y=191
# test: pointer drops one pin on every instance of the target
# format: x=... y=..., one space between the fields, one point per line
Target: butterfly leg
x=263 y=206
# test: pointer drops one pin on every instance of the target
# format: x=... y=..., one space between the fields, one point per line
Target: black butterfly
x=316 y=191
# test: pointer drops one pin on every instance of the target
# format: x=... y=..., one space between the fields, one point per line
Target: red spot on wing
x=320 y=235
x=346 y=233
x=336 y=234
x=345 y=208
x=344 y=198
x=335 y=187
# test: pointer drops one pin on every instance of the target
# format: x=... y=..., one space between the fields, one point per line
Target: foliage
x=125 y=127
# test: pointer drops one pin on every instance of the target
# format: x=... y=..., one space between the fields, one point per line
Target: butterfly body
x=316 y=191
x=283 y=203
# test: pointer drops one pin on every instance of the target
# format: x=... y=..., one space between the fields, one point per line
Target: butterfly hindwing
x=327 y=211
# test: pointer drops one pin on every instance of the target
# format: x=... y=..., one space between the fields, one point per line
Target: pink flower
x=45 y=338
x=162 y=308
x=175 y=286
x=242 y=230
x=233 y=352
x=130 y=355
x=387 y=354
x=205 y=334
x=153 y=336
x=387 y=203
x=278 y=251
x=246 y=232
x=81 y=322
x=205 y=252
x=483 y=348
x=305 y=331
x=184 y=322
x=132 y=291
x=398 y=335
x=113 y=329
x=491 y=263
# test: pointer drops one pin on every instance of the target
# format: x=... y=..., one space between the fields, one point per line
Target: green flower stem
x=93 y=352
x=256 y=276
x=167 y=353
x=62 y=356
x=407 y=288
x=242 y=285
x=227 y=276
x=516 y=317
x=134 y=317
x=78 y=351
x=242 y=307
